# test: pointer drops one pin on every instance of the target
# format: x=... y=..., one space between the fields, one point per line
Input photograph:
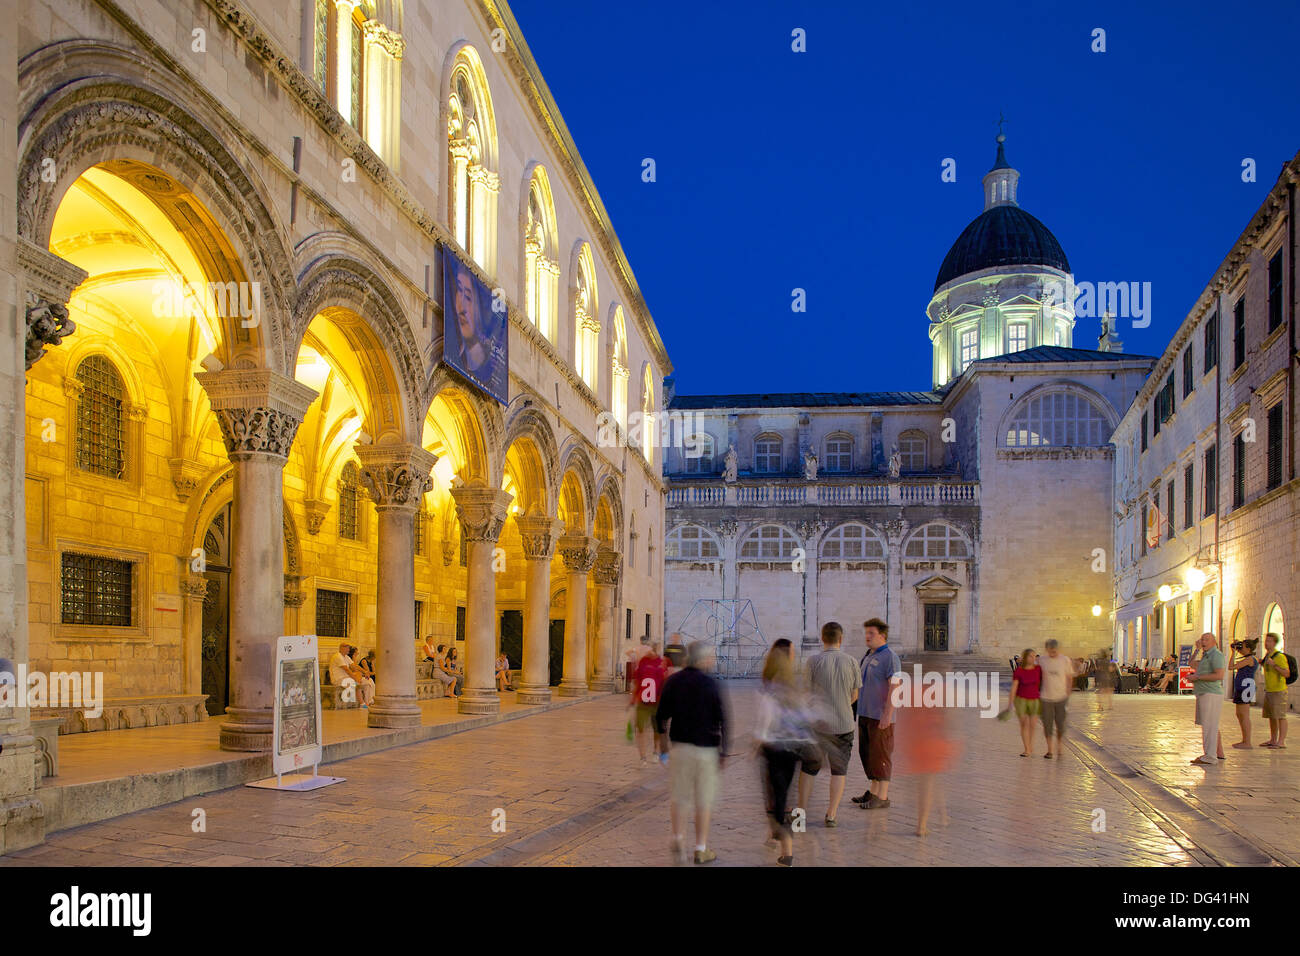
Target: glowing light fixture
x=1096 y=610
x=1196 y=579
x=1165 y=593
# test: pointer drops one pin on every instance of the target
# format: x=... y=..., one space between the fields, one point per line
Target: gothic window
x=838 y=454
x=332 y=613
x=914 y=449
x=767 y=454
x=700 y=461
x=349 y=525
x=1017 y=336
x=970 y=347
x=101 y=418
x=541 y=256
x=648 y=416
x=1057 y=418
x=97 y=590
x=338 y=51
x=618 y=369
x=769 y=541
x=586 y=321
x=691 y=542
x=471 y=143
x=936 y=540
x=851 y=542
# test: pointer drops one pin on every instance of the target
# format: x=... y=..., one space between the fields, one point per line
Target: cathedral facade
x=238 y=234
x=974 y=516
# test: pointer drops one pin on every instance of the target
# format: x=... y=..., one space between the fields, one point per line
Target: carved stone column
x=259 y=412
x=482 y=513
x=397 y=476
x=539 y=535
x=579 y=554
x=608 y=567
x=194 y=592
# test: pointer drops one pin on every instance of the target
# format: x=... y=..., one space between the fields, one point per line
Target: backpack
x=1291 y=668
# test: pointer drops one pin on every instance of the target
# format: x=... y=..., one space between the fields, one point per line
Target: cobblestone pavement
x=572 y=793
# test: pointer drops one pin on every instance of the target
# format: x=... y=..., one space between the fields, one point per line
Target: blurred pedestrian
x=834 y=681
x=1026 y=686
x=782 y=736
x=1277 y=669
x=692 y=714
x=1058 y=683
x=647 y=688
x=926 y=750
x=1207 y=687
x=880 y=669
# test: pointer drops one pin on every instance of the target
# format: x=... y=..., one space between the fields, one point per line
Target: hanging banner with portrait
x=475 y=338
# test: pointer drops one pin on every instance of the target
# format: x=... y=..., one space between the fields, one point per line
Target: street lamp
x=1096 y=610
x=1165 y=593
x=1196 y=579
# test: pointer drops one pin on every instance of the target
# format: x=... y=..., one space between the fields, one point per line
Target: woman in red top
x=1026 y=683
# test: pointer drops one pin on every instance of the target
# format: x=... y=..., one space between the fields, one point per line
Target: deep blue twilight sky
x=821 y=170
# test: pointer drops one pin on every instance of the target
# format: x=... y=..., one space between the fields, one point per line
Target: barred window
x=332 y=613
x=349 y=526
x=769 y=541
x=97 y=590
x=914 y=450
x=101 y=418
x=691 y=541
x=417 y=533
x=839 y=454
x=1057 y=419
x=936 y=540
x=852 y=541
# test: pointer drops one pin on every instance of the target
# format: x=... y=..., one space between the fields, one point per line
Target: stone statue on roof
x=729 y=464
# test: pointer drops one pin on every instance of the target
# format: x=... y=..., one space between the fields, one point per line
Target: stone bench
x=46 y=732
x=128 y=713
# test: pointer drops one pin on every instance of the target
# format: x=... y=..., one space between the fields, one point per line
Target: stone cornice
x=46 y=275
x=239 y=388
x=1104 y=453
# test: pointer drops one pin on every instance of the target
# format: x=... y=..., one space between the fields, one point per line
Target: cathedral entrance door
x=216 y=613
x=936 y=627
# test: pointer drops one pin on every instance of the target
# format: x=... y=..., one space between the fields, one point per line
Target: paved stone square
x=572 y=793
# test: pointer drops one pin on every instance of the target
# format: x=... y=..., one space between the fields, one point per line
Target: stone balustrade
x=795 y=491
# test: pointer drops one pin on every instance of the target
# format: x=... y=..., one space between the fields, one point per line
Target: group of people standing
x=1244 y=664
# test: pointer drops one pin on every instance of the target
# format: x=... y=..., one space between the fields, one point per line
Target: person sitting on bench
x=345 y=673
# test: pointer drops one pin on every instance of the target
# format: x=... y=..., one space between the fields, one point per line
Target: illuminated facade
x=968 y=515
x=249 y=433
x=1207 y=503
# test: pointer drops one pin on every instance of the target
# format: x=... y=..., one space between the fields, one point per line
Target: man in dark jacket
x=692 y=714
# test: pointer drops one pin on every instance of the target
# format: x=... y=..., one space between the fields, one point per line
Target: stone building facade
x=968 y=515
x=251 y=430
x=1207 y=502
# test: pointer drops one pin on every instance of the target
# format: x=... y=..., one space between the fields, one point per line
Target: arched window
x=648 y=416
x=697 y=452
x=349 y=525
x=770 y=541
x=618 y=370
x=586 y=320
x=936 y=540
x=471 y=141
x=852 y=542
x=690 y=541
x=357 y=63
x=101 y=418
x=541 y=256
x=914 y=449
x=767 y=454
x=339 y=52
x=838 y=453
x=1060 y=418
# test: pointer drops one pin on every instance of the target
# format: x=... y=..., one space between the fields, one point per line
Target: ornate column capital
x=578 y=552
x=609 y=566
x=481 y=511
x=194 y=587
x=396 y=476
x=316 y=512
x=186 y=475
x=258 y=410
x=49 y=281
x=539 y=535
x=388 y=40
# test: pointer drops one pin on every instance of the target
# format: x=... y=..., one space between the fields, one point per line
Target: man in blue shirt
x=880 y=669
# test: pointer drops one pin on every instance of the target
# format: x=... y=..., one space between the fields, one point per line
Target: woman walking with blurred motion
x=782 y=735
x=1026 y=683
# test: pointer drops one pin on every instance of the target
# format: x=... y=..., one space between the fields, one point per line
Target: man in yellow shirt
x=1276 y=671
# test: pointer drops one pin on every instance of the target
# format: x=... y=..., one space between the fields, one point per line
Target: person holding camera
x=1276 y=671
x=1207 y=687
x=1243 y=664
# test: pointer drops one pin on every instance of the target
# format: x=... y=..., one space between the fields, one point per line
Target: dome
x=1003 y=235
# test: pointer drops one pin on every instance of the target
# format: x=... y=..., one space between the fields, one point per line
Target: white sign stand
x=297 y=742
